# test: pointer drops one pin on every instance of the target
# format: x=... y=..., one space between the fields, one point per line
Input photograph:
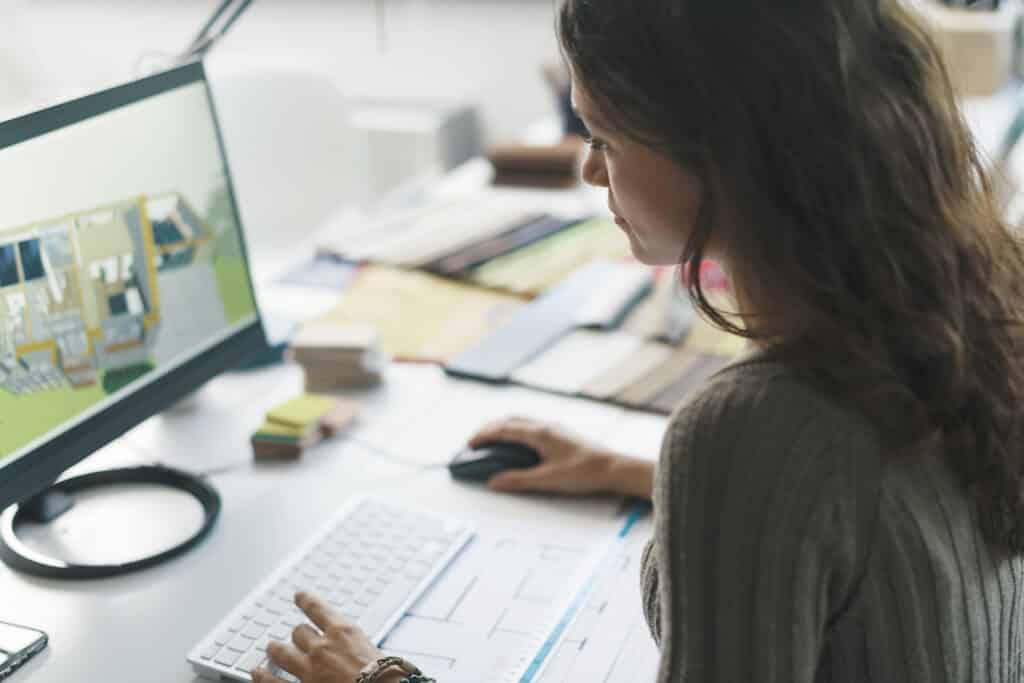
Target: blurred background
x=335 y=103
x=487 y=51
x=332 y=102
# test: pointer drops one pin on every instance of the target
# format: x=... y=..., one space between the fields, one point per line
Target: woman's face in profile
x=655 y=201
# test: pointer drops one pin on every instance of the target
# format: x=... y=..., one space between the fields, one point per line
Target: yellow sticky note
x=302 y=411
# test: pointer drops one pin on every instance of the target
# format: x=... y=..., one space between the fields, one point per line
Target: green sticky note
x=303 y=411
x=277 y=430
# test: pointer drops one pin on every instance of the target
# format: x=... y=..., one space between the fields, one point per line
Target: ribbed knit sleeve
x=766 y=499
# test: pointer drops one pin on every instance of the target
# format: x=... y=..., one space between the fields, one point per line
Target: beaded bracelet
x=417 y=678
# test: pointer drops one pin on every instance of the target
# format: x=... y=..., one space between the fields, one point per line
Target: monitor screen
x=123 y=274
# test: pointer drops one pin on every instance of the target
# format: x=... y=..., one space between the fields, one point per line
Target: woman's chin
x=645 y=256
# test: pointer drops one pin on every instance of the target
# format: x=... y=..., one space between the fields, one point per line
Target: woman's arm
x=631 y=476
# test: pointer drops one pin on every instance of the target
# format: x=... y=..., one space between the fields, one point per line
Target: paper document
x=487 y=612
x=608 y=640
x=547 y=609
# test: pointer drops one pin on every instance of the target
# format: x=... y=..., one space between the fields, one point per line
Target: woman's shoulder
x=762 y=406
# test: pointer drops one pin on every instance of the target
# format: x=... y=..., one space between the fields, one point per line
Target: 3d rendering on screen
x=93 y=300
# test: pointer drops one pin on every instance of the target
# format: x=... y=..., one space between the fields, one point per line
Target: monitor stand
x=60 y=532
x=47 y=506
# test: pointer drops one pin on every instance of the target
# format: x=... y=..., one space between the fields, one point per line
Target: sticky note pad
x=302 y=411
x=276 y=430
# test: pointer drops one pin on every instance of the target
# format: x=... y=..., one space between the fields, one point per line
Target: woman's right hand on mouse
x=568 y=463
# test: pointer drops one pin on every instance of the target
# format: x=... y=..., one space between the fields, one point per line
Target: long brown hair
x=863 y=228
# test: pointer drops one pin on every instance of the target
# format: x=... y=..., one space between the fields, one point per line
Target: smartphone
x=17 y=645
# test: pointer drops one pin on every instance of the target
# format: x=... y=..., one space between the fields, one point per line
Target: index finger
x=318 y=611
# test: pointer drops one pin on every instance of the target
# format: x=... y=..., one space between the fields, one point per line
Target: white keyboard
x=370 y=562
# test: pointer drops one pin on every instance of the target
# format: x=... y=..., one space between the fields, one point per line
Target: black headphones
x=18 y=556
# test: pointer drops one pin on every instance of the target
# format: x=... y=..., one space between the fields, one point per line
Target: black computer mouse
x=480 y=464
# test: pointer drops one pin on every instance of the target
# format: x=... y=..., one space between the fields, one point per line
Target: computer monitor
x=124 y=280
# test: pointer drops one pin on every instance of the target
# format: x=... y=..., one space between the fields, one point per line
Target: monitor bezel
x=38 y=469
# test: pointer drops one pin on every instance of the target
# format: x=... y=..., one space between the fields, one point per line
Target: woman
x=845 y=503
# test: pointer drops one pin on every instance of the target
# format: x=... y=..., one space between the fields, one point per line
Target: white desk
x=139 y=627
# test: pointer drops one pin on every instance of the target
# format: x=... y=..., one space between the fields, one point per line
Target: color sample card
x=627 y=284
x=643 y=391
x=618 y=378
x=536 y=228
x=691 y=379
x=538 y=267
x=576 y=359
x=531 y=330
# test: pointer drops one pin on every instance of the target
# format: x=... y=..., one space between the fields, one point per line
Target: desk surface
x=139 y=627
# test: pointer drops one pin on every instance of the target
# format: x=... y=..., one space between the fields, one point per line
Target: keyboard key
x=283 y=675
x=251 y=661
x=265 y=619
x=254 y=631
x=240 y=643
x=210 y=652
x=227 y=657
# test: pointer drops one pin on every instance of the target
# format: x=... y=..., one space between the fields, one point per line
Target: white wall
x=485 y=51
x=163 y=144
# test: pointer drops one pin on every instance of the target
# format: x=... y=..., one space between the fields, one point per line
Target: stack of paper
x=335 y=356
x=419 y=236
x=459 y=262
x=419 y=316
